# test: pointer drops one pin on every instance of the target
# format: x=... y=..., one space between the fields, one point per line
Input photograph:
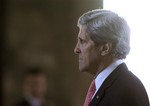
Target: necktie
x=90 y=93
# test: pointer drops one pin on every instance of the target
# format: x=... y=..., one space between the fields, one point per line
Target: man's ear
x=105 y=48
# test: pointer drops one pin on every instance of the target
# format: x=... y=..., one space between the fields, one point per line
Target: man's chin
x=83 y=69
x=86 y=70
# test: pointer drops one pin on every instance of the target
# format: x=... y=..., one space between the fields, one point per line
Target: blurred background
x=43 y=33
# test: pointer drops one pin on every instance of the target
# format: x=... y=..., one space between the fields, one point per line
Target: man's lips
x=80 y=59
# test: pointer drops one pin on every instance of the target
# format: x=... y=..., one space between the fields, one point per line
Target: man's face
x=89 y=55
x=35 y=85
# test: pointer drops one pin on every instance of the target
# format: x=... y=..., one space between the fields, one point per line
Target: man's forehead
x=82 y=33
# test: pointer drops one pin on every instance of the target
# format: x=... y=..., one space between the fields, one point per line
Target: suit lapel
x=107 y=83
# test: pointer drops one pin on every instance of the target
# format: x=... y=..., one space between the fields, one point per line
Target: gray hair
x=107 y=26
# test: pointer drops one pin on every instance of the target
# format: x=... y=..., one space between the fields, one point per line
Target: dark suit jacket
x=121 y=88
x=23 y=103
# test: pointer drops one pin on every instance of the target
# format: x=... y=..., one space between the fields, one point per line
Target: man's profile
x=103 y=44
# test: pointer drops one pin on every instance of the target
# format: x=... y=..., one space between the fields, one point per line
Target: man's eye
x=82 y=41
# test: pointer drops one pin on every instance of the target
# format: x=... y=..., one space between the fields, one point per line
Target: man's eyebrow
x=80 y=38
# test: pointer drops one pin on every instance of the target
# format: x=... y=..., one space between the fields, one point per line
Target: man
x=34 y=86
x=103 y=43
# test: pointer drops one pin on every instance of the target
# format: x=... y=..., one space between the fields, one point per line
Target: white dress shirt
x=32 y=101
x=105 y=73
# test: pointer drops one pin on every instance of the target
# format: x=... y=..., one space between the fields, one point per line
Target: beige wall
x=43 y=33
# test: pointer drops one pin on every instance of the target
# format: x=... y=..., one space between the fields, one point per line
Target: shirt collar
x=105 y=73
x=33 y=101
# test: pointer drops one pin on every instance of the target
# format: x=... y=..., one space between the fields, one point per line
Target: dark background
x=43 y=33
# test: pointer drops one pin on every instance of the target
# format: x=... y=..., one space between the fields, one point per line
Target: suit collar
x=105 y=73
x=107 y=83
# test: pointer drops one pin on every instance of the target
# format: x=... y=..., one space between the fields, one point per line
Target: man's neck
x=105 y=64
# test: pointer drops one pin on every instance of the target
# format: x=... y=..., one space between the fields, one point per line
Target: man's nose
x=77 y=49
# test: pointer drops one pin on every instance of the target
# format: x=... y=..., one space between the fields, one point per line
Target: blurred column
x=2 y=33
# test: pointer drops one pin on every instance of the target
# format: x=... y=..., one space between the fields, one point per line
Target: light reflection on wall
x=136 y=12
